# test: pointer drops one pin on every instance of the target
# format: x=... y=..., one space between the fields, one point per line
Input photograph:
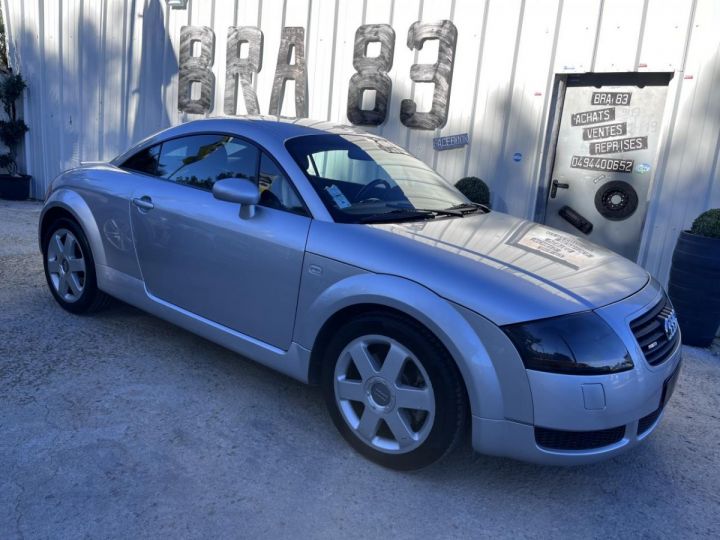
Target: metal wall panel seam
x=103 y=82
x=416 y=53
x=82 y=79
x=43 y=103
x=438 y=131
x=478 y=72
x=166 y=42
x=500 y=157
x=714 y=182
x=643 y=20
x=127 y=71
x=540 y=163
x=598 y=29
x=646 y=259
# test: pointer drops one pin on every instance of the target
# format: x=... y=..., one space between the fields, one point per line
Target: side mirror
x=238 y=190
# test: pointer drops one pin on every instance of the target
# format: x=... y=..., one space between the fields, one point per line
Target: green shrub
x=13 y=129
x=12 y=132
x=707 y=224
x=474 y=189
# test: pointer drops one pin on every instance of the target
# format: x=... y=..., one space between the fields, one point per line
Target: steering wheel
x=371 y=185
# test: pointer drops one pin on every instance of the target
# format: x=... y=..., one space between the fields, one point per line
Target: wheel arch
x=69 y=204
x=394 y=295
x=337 y=320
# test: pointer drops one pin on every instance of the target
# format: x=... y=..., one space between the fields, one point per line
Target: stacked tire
x=694 y=287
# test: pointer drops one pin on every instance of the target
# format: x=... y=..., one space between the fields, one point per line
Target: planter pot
x=15 y=188
x=694 y=287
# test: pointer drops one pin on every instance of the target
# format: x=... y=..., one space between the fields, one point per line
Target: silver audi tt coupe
x=337 y=258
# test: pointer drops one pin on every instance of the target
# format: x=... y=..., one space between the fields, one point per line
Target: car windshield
x=365 y=179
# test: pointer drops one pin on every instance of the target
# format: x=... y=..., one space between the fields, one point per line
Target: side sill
x=294 y=362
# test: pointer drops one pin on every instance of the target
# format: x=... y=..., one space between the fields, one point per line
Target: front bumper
x=583 y=419
x=634 y=406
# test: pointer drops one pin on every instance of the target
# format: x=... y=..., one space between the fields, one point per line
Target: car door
x=196 y=253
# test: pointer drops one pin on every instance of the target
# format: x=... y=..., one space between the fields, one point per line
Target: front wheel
x=393 y=391
x=70 y=268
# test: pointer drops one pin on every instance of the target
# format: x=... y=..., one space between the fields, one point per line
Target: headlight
x=578 y=344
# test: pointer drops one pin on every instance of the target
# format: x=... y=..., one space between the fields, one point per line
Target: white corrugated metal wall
x=103 y=74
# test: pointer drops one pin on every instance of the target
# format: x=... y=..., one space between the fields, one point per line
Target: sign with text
x=605 y=131
x=606 y=146
x=602 y=164
x=451 y=141
x=371 y=72
x=611 y=98
x=592 y=117
x=617 y=146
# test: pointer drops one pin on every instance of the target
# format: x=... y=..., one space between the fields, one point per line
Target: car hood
x=507 y=269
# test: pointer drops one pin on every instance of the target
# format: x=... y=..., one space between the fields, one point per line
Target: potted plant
x=694 y=285
x=13 y=186
x=474 y=189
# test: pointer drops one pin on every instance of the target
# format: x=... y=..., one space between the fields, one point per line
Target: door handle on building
x=555 y=186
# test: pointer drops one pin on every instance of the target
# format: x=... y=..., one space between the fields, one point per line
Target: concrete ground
x=121 y=425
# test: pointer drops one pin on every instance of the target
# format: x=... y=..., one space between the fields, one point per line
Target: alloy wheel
x=384 y=394
x=66 y=265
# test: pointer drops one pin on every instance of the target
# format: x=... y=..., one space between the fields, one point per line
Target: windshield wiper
x=444 y=212
x=470 y=207
x=400 y=214
x=440 y=212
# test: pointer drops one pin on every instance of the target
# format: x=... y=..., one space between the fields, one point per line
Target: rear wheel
x=393 y=391
x=70 y=268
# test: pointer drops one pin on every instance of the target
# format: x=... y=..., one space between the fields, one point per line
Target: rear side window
x=276 y=191
x=201 y=160
x=145 y=161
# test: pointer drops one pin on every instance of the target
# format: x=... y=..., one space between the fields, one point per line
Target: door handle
x=555 y=186
x=144 y=203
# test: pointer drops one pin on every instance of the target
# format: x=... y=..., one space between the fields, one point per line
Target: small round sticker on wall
x=517 y=156
x=642 y=168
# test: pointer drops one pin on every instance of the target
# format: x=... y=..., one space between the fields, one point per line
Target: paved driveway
x=120 y=425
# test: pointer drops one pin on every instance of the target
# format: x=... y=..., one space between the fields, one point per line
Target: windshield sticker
x=338 y=198
x=556 y=245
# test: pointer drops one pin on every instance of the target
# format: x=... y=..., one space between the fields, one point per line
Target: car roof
x=266 y=130
x=287 y=127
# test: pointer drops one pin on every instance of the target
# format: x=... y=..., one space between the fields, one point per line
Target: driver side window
x=201 y=160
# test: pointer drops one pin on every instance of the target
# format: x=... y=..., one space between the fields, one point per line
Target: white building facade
x=600 y=117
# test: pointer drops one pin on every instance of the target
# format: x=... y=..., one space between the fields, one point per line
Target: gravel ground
x=121 y=425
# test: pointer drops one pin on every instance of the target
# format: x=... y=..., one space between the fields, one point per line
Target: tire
x=375 y=364
x=70 y=268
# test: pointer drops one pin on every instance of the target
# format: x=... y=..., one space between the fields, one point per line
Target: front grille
x=646 y=422
x=556 y=439
x=649 y=331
